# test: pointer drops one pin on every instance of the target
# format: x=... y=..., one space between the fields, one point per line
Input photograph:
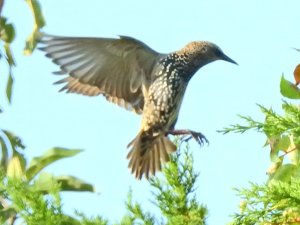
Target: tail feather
x=147 y=153
x=161 y=145
x=157 y=161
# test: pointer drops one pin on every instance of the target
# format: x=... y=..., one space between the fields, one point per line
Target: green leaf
x=2 y=22
x=289 y=89
x=7 y=34
x=275 y=166
x=7 y=31
x=286 y=172
x=278 y=143
x=70 y=183
x=31 y=42
x=14 y=140
x=9 y=85
x=39 y=23
x=284 y=142
x=45 y=182
x=52 y=155
x=10 y=33
x=9 y=55
x=35 y=7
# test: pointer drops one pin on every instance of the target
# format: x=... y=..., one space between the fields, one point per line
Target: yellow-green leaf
x=39 y=22
x=46 y=181
x=278 y=143
x=16 y=166
x=286 y=172
x=35 y=7
x=31 y=43
x=54 y=154
x=289 y=89
x=275 y=166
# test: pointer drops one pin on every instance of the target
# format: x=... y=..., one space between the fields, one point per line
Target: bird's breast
x=163 y=102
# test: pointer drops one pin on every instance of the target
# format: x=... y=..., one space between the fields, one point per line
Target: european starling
x=130 y=74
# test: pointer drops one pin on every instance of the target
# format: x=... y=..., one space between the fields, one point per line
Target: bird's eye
x=219 y=53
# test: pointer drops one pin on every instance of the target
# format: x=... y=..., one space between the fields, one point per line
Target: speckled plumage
x=132 y=75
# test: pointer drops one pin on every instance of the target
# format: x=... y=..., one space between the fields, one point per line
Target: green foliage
x=24 y=201
x=283 y=136
x=278 y=200
x=173 y=194
x=273 y=203
x=20 y=199
x=37 y=199
x=84 y=220
x=31 y=194
x=7 y=37
x=136 y=215
x=28 y=193
x=275 y=124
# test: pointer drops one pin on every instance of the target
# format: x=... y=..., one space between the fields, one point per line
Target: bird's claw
x=189 y=134
x=199 y=137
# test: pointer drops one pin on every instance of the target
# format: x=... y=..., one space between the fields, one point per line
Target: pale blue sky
x=257 y=34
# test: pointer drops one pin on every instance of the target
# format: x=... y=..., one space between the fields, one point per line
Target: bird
x=129 y=73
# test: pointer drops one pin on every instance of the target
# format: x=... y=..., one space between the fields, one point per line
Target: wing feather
x=115 y=68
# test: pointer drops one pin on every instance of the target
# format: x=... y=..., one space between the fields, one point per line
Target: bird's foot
x=188 y=135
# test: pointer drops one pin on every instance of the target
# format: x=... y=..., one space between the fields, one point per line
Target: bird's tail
x=148 y=152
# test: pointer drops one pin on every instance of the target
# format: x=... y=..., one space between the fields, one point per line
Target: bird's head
x=203 y=52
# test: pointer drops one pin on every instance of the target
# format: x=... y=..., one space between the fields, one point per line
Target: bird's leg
x=198 y=136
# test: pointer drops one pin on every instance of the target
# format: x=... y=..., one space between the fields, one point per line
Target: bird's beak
x=226 y=58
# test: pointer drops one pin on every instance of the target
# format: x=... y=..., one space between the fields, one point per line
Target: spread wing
x=115 y=68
